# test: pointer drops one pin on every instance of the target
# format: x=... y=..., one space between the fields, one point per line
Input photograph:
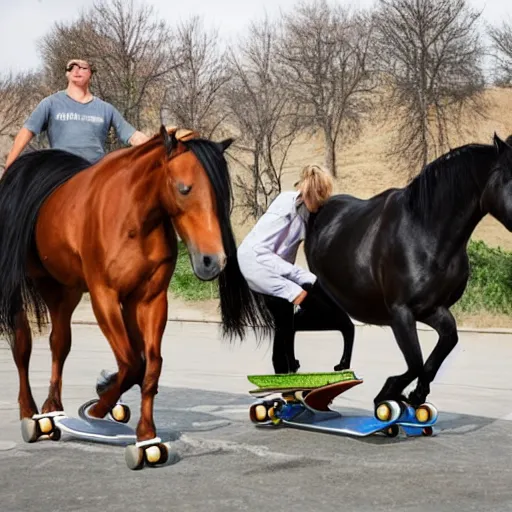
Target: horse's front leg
x=444 y=324
x=151 y=318
x=403 y=325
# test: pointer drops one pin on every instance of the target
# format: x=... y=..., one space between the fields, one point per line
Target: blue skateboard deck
x=99 y=430
x=298 y=416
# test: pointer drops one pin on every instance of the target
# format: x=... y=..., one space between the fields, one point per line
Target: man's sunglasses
x=73 y=64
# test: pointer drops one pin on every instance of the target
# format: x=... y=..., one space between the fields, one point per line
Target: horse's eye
x=184 y=189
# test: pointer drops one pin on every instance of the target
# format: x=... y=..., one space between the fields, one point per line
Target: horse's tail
x=23 y=189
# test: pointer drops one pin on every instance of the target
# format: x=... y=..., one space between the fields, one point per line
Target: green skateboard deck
x=299 y=381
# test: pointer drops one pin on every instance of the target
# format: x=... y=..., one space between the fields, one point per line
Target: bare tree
x=193 y=89
x=19 y=94
x=261 y=110
x=501 y=38
x=430 y=52
x=324 y=51
x=129 y=47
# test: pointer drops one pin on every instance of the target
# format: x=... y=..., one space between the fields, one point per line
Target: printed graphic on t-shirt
x=73 y=116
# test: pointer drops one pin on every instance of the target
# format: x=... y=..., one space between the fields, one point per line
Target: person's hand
x=302 y=295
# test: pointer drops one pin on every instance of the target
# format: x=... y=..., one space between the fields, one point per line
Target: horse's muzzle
x=208 y=266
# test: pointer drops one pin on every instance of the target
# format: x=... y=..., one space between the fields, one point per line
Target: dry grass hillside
x=365 y=169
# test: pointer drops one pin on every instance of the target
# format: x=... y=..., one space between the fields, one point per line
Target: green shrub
x=184 y=282
x=489 y=288
x=490 y=283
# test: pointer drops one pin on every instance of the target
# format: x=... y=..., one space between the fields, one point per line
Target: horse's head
x=197 y=194
x=497 y=195
x=193 y=196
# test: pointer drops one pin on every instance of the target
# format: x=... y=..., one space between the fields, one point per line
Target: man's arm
x=125 y=131
x=21 y=140
x=35 y=123
x=138 y=138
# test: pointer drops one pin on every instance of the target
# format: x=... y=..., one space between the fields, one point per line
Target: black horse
x=400 y=257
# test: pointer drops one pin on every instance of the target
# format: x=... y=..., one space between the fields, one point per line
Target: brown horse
x=110 y=229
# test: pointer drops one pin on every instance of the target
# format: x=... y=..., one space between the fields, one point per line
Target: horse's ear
x=500 y=145
x=223 y=145
x=170 y=141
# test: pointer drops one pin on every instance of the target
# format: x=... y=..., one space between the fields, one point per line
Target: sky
x=23 y=22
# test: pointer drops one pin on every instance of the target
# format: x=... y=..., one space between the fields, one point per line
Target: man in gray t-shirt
x=75 y=120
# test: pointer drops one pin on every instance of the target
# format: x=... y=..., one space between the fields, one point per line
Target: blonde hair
x=316 y=185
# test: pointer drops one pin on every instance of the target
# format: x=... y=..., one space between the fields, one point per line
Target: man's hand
x=138 y=138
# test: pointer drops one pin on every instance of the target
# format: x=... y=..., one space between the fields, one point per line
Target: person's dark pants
x=317 y=312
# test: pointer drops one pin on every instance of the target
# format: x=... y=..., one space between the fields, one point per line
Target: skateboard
x=113 y=430
x=303 y=401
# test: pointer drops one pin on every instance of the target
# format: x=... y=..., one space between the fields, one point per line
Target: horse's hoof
x=29 y=430
x=104 y=381
x=134 y=457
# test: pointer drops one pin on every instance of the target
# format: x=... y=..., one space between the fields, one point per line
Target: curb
x=420 y=327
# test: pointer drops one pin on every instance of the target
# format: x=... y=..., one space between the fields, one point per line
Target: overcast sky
x=22 y=22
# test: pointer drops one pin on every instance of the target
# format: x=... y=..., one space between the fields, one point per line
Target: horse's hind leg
x=107 y=379
x=443 y=322
x=21 y=351
x=61 y=302
x=106 y=307
x=403 y=325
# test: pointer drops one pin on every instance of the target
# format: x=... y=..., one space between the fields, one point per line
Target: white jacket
x=267 y=255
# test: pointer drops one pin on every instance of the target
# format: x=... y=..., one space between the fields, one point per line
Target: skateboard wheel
x=56 y=434
x=427 y=431
x=426 y=413
x=388 y=411
x=154 y=454
x=392 y=431
x=29 y=430
x=120 y=413
x=259 y=413
x=45 y=425
x=134 y=457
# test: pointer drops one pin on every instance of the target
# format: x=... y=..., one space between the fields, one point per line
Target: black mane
x=449 y=180
x=240 y=308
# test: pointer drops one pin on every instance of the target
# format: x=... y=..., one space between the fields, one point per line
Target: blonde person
x=75 y=120
x=267 y=260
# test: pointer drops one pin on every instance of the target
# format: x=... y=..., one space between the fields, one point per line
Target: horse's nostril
x=207 y=261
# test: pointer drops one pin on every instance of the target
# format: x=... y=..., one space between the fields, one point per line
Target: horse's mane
x=448 y=180
x=254 y=311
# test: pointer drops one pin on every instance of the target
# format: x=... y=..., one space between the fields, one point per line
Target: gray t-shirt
x=80 y=128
